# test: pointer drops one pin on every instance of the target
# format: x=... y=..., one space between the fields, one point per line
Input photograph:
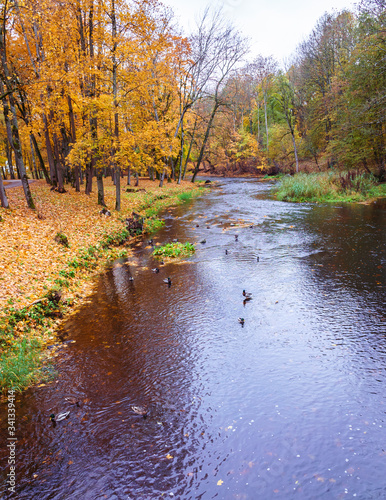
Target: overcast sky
x=275 y=27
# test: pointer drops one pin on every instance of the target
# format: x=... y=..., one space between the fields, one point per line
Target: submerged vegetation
x=329 y=187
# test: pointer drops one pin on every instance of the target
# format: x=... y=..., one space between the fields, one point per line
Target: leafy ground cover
x=329 y=187
x=48 y=258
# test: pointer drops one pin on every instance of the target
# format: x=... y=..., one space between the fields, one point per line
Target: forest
x=96 y=88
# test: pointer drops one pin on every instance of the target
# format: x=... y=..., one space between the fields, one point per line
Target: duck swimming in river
x=59 y=417
x=72 y=401
x=247 y=296
x=168 y=281
x=140 y=410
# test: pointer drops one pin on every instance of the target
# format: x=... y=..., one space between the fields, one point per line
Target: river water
x=290 y=405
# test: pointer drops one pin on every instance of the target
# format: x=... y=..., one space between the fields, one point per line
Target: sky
x=274 y=27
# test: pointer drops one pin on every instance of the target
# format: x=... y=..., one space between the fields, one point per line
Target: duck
x=72 y=401
x=241 y=321
x=226 y=252
x=203 y=242
x=236 y=237
x=140 y=410
x=155 y=270
x=131 y=278
x=59 y=417
x=258 y=258
x=247 y=295
x=168 y=281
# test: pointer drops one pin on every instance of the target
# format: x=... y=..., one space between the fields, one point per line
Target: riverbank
x=330 y=187
x=49 y=257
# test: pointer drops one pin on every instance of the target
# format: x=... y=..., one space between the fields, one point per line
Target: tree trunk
x=266 y=123
x=182 y=154
x=161 y=182
x=9 y=158
x=295 y=151
x=77 y=175
x=40 y=158
x=58 y=166
x=128 y=176
x=50 y=155
x=202 y=150
x=33 y=158
x=190 y=148
x=3 y=196
x=115 y=95
x=13 y=131
x=89 y=174
x=101 y=193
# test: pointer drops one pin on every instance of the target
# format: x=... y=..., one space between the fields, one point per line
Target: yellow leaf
x=219 y=482
x=168 y=456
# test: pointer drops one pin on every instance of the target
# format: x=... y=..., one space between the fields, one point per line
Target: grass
x=21 y=366
x=350 y=186
x=174 y=250
x=186 y=196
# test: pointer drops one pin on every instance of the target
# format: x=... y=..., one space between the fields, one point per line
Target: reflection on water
x=292 y=405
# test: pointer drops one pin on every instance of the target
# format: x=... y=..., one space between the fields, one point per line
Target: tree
x=262 y=70
x=285 y=100
x=7 y=90
x=226 y=48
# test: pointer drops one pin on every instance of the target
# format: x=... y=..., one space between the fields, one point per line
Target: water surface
x=292 y=405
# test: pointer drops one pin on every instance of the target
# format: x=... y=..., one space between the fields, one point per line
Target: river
x=292 y=404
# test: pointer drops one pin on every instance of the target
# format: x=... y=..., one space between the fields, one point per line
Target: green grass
x=185 y=197
x=174 y=250
x=152 y=224
x=329 y=187
x=20 y=367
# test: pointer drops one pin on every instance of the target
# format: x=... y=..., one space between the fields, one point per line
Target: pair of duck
x=63 y=415
x=247 y=297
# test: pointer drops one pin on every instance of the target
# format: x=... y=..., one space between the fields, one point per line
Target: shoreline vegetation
x=329 y=187
x=50 y=256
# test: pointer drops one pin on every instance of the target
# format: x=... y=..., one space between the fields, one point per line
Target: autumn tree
x=7 y=90
x=284 y=98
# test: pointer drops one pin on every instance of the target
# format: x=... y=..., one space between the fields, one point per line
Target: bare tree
x=197 y=69
x=225 y=48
